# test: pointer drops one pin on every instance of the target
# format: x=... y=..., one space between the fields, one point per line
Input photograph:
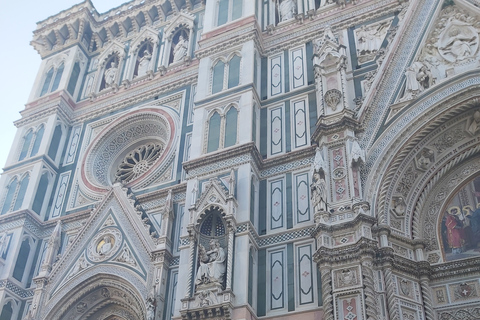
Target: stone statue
x=180 y=49
x=194 y=192
x=472 y=128
x=53 y=245
x=126 y=257
x=418 y=78
x=231 y=183
x=144 y=63
x=110 y=74
x=399 y=206
x=370 y=38
x=319 y=192
x=79 y=266
x=287 y=9
x=212 y=264
x=356 y=152
x=150 y=304
x=458 y=41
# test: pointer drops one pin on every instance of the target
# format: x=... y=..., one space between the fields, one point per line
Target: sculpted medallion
x=104 y=244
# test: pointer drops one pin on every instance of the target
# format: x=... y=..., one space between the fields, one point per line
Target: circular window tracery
x=136 y=149
x=138 y=162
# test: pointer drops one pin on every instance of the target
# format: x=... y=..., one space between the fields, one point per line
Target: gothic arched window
x=218 y=74
x=234 y=72
x=46 y=82
x=226 y=75
x=37 y=141
x=57 y=137
x=12 y=188
x=21 y=193
x=222 y=129
x=228 y=10
x=7 y=311
x=41 y=193
x=214 y=132
x=231 y=127
x=72 y=83
x=27 y=140
x=56 y=75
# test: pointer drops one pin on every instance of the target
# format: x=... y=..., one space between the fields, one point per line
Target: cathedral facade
x=248 y=159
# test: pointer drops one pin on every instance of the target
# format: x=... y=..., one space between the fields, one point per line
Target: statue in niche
x=180 y=49
x=287 y=9
x=144 y=63
x=458 y=41
x=319 y=192
x=110 y=74
x=212 y=264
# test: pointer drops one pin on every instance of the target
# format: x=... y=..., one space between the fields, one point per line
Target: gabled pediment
x=115 y=47
x=115 y=240
x=182 y=19
x=148 y=34
x=216 y=194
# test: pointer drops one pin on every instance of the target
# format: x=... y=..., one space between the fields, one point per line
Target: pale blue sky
x=19 y=62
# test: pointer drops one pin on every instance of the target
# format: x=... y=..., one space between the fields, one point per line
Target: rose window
x=138 y=162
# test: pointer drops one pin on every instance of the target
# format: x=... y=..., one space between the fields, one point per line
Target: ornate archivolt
x=100 y=295
x=417 y=166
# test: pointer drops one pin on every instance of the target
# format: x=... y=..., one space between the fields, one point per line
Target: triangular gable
x=182 y=19
x=115 y=239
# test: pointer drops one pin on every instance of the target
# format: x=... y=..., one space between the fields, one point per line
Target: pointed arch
x=22 y=190
x=27 y=140
x=231 y=123
x=38 y=140
x=214 y=123
x=9 y=195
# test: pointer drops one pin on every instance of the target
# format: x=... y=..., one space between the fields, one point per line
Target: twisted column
x=327 y=294
x=231 y=235
x=190 y=268
x=390 y=288
x=427 y=300
x=370 y=301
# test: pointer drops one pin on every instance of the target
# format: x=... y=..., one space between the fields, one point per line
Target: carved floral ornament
x=134 y=149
